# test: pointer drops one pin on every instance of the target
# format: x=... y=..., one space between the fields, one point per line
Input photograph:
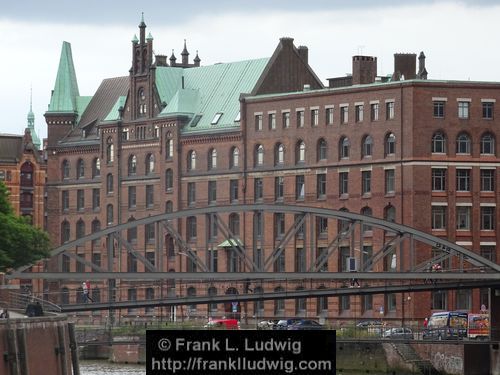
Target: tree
x=20 y=242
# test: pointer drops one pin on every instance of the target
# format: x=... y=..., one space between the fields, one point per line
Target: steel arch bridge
x=403 y=254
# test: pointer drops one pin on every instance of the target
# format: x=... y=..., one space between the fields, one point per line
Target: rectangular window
x=487 y=180
x=286 y=120
x=329 y=116
x=463 y=110
x=344 y=254
x=96 y=199
x=65 y=200
x=343 y=183
x=258 y=122
x=257 y=258
x=438 y=220
x=367 y=257
x=321 y=185
x=438 y=179
x=344 y=303
x=191 y=191
x=464 y=299
x=488 y=110
x=258 y=189
x=314 y=117
x=389 y=111
x=279 y=192
x=389 y=181
x=132 y=197
x=344 y=114
x=438 y=109
x=149 y=233
x=487 y=218
x=233 y=188
x=300 y=228
x=321 y=253
x=272 y=121
x=80 y=266
x=488 y=252
x=391 y=301
x=279 y=263
x=150 y=196
x=80 y=200
x=213 y=260
x=374 y=109
x=300 y=260
x=463 y=217
x=322 y=226
x=463 y=180
x=439 y=300
x=366 y=184
x=367 y=302
x=212 y=192
x=300 y=119
x=359 y=113
x=279 y=225
x=300 y=187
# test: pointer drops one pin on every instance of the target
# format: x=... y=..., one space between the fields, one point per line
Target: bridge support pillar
x=495 y=330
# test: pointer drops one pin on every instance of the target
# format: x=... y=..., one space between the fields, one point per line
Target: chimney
x=364 y=69
x=304 y=53
x=161 y=60
x=405 y=65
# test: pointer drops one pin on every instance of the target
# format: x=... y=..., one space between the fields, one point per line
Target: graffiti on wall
x=450 y=364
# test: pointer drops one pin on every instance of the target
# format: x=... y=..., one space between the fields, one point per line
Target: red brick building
x=177 y=135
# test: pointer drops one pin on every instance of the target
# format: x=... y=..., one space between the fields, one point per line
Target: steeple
x=185 y=55
x=66 y=87
x=172 y=59
x=31 y=123
x=197 y=59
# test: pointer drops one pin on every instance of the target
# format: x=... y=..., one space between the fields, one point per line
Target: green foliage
x=20 y=242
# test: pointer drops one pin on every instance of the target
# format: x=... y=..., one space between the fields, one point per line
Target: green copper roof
x=114 y=114
x=31 y=125
x=66 y=88
x=81 y=104
x=208 y=91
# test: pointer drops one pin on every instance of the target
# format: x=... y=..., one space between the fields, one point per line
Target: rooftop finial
x=142 y=24
x=31 y=97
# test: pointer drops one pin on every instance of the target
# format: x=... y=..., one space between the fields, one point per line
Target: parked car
x=371 y=326
x=223 y=324
x=305 y=324
x=267 y=324
x=285 y=323
x=404 y=333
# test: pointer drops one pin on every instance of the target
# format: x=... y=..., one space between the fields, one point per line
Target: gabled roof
x=66 y=87
x=203 y=92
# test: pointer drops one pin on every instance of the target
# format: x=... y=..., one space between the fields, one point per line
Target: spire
x=134 y=39
x=172 y=59
x=185 y=55
x=66 y=87
x=31 y=123
x=150 y=37
x=197 y=59
x=142 y=27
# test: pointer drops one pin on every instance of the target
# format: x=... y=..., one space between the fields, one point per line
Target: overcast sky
x=460 y=39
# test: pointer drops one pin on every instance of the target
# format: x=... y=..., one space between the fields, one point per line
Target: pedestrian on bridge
x=86 y=291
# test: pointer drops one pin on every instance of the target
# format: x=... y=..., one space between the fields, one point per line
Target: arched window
x=322 y=303
x=150 y=164
x=367 y=149
x=259 y=155
x=110 y=151
x=80 y=168
x=438 y=143
x=141 y=100
x=367 y=211
x=344 y=148
x=212 y=159
x=191 y=292
x=169 y=207
x=65 y=231
x=169 y=149
x=132 y=165
x=322 y=149
x=279 y=304
x=390 y=144
x=279 y=157
x=27 y=174
x=487 y=144
x=235 y=157
x=109 y=183
x=463 y=144
x=300 y=152
x=80 y=229
x=96 y=168
x=234 y=224
x=109 y=214
x=390 y=213
x=191 y=160
x=169 y=180
x=191 y=227
x=258 y=305
x=300 y=303
x=65 y=169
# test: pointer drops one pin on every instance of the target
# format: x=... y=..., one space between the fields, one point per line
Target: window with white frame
x=344 y=114
x=389 y=181
x=487 y=218
x=374 y=111
x=438 y=219
x=359 y=113
x=487 y=177
x=389 y=110
x=463 y=179
x=487 y=144
x=438 y=179
x=314 y=117
x=438 y=144
x=463 y=144
x=463 y=109
x=463 y=217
